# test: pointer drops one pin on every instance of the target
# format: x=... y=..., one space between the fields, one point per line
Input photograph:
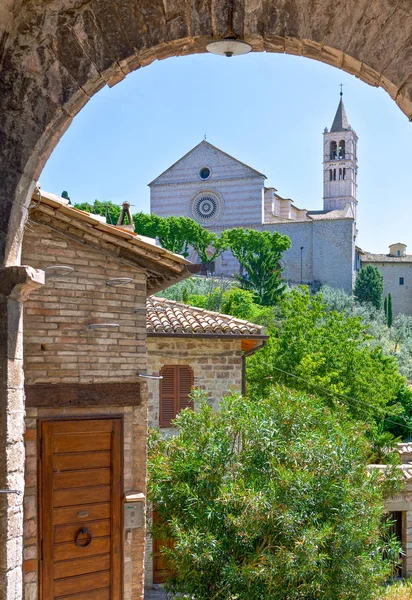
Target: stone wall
x=59 y=347
x=238 y=188
x=401 y=294
x=217 y=369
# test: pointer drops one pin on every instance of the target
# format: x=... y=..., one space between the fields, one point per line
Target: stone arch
x=54 y=56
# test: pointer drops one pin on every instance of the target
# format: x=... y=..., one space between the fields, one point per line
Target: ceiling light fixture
x=230 y=45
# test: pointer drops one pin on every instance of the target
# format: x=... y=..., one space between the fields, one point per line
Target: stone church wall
x=401 y=294
x=240 y=200
x=333 y=253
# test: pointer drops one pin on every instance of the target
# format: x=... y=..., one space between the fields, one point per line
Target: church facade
x=220 y=192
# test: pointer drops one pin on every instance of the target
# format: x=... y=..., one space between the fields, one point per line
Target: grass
x=398 y=591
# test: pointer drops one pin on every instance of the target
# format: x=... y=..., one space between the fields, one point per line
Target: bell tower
x=340 y=163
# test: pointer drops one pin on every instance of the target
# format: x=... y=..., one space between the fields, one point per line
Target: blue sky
x=267 y=110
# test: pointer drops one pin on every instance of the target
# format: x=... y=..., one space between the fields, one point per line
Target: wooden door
x=80 y=509
x=161 y=570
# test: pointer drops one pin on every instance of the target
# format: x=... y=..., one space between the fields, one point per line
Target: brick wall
x=217 y=369
x=59 y=347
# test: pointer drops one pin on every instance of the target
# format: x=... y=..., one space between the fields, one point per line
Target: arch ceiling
x=55 y=54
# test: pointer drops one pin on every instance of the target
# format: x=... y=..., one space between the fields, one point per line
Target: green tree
x=390 y=315
x=369 y=286
x=269 y=499
x=330 y=354
x=259 y=254
x=106 y=209
x=179 y=234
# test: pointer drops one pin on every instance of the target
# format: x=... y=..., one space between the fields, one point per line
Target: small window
x=204 y=173
x=334 y=174
x=399 y=252
x=175 y=388
x=401 y=281
x=330 y=175
x=344 y=173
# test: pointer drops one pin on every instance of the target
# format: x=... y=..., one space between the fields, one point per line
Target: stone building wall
x=401 y=294
x=59 y=347
x=328 y=255
x=334 y=253
x=238 y=187
x=217 y=369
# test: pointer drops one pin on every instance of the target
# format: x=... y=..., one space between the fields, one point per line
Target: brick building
x=188 y=347
x=86 y=405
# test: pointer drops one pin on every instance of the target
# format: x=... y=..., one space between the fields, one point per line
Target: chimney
x=126 y=211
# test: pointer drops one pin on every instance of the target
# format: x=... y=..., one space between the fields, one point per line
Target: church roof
x=208 y=145
x=340 y=122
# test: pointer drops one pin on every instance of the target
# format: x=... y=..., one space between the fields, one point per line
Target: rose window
x=206 y=207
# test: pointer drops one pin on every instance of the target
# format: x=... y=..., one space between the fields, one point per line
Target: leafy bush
x=269 y=499
x=327 y=353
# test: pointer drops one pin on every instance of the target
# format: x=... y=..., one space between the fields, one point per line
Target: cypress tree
x=385 y=307
x=390 y=319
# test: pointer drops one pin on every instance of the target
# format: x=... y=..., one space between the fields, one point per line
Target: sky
x=267 y=110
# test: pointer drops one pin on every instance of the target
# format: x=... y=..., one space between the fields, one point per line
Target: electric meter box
x=133 y=510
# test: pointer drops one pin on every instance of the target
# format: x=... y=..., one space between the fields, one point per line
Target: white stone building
x=220 y=192
x=396 y=270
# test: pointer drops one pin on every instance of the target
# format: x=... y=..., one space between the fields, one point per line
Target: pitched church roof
x=210 y=146
x=340 y=122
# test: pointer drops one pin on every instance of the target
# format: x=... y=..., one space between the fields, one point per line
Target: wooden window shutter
x=185 y=386
x=175 y=388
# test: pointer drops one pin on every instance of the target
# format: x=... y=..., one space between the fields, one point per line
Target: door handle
x=87 y=542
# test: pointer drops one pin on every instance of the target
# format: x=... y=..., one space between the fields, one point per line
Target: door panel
x=80 y=516
x=85 y=512
x=67 y=568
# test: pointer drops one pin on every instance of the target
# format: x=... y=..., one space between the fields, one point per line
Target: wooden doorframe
x=117 y=487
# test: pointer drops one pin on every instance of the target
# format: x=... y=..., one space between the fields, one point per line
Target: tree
x=327 y=353
x=369 y=286
x=179 y=234
x=259 y=254
x=106 y=209
x=269 y=499
x=390 y=316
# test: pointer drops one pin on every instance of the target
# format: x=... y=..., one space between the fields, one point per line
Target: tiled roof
x=371 y=258
x=405 y=448
x=168 y=317
x=406 y=470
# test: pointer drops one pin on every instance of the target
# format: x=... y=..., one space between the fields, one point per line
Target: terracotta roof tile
x=169 y=317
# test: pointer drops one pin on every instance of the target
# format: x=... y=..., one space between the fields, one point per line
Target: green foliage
x=327 y=353
x=259 y=254
x=390 y=315
x=179 y=234
x=369 y=286
x=106 y=209
x=269 y=498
